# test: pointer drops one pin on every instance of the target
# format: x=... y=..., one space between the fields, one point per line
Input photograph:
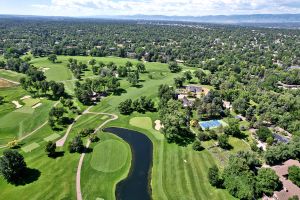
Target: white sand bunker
x=158 y=125
x=37 y=105
x=17 y=104
x=25 y=97
x=44 y=69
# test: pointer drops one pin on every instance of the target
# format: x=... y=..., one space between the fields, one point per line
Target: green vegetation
x=294 y=175
x=109 y=156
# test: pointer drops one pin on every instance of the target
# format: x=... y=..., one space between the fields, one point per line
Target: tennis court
x=210 y=124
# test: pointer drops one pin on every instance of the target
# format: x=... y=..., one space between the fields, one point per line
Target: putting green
x=109 y=156
x=141 y=122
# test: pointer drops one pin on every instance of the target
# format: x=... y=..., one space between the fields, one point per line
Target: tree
x=125 y=107
x=294 y=175
x=1 y=100
x=214 y=176
x=197 y=146
x=52 y=58
x=179 y=81
x=92 y=62
x=188 y=75
x=263 y=133
x=166 y=92
x=128 y=65
x=50 y=148
x=201 y=76
x=140 y=67
x=233 y=129
x=174 y=67
x=133 y=79
x=267 y=182
x=76 y=145
x=223 y=142
x=12 y=165
x=58 y=89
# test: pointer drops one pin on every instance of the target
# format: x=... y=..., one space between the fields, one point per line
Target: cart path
x=62 y=141
x=78 y=187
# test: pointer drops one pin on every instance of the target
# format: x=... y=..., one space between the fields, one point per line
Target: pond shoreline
x=137 y=185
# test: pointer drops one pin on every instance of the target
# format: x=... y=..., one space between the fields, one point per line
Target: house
x=194 y=89
x=227 y=105
x=187 y=102
x=289 y=188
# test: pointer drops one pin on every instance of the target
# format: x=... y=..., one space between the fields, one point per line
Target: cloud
x=169 y=7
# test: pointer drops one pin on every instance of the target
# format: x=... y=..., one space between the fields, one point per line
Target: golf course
x=108 y=161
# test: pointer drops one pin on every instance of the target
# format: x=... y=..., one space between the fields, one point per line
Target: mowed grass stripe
x=194 y=165
x=205 y=162
x=189 y=175
x=157 y=172
x=181 y=180
x=169 y=174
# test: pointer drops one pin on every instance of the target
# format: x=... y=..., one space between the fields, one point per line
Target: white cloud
x=169 y=7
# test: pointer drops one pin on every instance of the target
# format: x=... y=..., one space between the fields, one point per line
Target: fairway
x=141 y=122
x=109 y=156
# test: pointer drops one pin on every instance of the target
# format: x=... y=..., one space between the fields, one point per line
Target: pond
x=137 y=185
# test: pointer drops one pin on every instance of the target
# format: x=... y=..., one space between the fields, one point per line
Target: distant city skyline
x=148 y=7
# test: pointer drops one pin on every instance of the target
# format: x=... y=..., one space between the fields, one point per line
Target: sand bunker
x=158 y=125
x=37 y=105
x=25 y=97
x=45 y=69
x=17 y=104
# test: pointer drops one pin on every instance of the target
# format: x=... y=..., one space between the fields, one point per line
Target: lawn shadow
x=87 y=150
x=29 y=176
x=119 y=92
x=138 y=86
x=57 y=154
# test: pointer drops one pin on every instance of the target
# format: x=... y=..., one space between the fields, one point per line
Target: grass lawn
x=11 y=75
x=109 y=156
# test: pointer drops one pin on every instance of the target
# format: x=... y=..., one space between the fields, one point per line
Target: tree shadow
x=28 y=176
x=119 y=92
x=87 y=150
x=138 y=86
x=57 y=154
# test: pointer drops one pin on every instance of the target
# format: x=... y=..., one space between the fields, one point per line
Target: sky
x=147 y=7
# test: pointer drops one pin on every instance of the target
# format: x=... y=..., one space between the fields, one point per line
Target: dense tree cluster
x=242 y=179
x=282 y=152
x=141 y=105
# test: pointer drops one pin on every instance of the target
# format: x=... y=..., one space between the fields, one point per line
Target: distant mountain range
x=258 y=18
x=223 y=19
